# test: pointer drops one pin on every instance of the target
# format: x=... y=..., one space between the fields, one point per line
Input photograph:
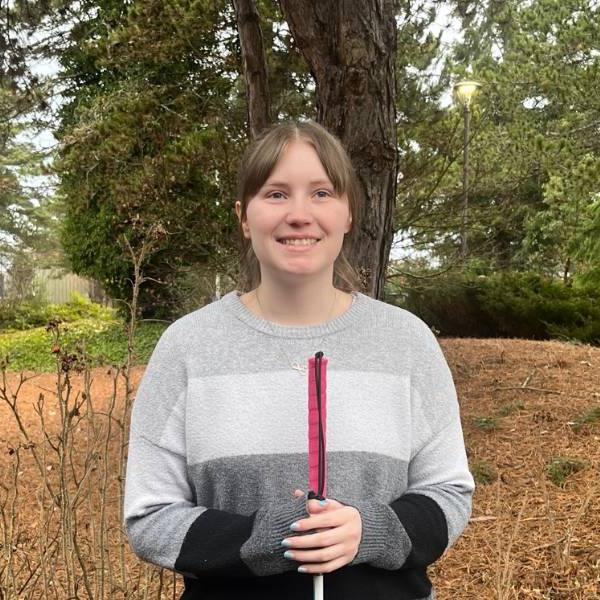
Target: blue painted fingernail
x=301 y=569
x=288 y=554
x=294 y=526
x=322 y=502
x=286 y=543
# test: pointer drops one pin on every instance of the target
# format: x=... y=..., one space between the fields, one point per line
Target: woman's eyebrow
x=283 y=184
x=275 y=184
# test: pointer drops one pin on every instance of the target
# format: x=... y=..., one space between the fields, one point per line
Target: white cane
x=318 y=587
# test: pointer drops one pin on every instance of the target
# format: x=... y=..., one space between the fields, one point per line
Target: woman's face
x=297 y=201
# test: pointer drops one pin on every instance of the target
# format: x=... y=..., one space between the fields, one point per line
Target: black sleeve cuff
x=425 y=523
x=212 y=545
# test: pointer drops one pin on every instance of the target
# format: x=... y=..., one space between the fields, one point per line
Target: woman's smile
x=299 y=245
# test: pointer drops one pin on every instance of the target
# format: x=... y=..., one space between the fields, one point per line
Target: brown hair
x=258 y=162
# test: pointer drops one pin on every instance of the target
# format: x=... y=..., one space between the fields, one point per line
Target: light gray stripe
x=242 y=414
x=242 y=484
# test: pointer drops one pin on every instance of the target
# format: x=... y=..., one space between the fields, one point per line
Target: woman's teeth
x=303 y=242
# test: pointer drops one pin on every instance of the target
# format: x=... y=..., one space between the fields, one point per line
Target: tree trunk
x=255 y=66
x=350 y=48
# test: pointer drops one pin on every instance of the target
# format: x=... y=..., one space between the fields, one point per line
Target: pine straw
x=528 y=538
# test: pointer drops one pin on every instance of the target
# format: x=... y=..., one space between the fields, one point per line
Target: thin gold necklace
x=295 y=365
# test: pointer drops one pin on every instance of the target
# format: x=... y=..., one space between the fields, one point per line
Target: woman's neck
x=309 y=305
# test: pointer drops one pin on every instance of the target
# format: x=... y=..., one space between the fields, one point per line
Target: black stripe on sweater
x=211 y=546
x=425 y=523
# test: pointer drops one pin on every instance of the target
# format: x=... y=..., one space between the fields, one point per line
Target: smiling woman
x=305 y=157
x=218 y=469
x=298 y=198
x=296 y=222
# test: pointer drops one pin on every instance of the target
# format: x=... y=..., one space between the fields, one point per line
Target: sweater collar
x=231 y=301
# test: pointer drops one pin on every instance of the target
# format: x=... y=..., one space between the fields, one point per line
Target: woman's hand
x=336 y=539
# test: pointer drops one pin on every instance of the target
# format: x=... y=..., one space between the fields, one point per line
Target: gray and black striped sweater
x=218 y=444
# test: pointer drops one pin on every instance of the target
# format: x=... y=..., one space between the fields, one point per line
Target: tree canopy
x=154 y=117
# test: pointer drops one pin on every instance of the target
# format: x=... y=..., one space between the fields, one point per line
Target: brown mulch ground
x=528 y=537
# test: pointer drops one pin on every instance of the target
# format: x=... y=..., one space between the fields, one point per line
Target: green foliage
x=25 y=338
x=28 y=213
x=483 y=472
x=561 y=467
x=155 y=121
x=534 y=162
x=150 y=137
x=31 y=314
x=523 y=305
x=27 y=216
x=104 y=341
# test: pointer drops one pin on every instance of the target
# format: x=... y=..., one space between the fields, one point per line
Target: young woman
x=217 y=474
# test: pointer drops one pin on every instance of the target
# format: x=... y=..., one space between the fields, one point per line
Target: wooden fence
x=56 y=286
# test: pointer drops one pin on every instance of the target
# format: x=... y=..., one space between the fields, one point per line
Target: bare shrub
x=69 y=473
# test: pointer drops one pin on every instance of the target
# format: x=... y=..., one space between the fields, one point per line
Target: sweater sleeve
x=162 y=520
x=415 y=529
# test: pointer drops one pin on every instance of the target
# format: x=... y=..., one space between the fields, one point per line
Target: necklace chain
x=295 y=365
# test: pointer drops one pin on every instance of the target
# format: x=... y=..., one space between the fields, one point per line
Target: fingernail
x=288 y=554
x=301 y=569
x=294 y=526
x=286 y=543
x=322 y=502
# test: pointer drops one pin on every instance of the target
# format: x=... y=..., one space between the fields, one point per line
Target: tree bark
x=350 y=48
x=255 y=66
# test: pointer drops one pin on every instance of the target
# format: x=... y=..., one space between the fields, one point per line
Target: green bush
x=31 y=314
x=104 y=341
x=506 y=304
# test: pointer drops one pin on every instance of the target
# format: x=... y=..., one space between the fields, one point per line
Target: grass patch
x=561 y=467
x=486 y=423
x=104 y=341
x=483 y=472
x=589 y=418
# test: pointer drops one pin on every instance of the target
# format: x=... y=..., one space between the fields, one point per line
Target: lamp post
x=464 y=92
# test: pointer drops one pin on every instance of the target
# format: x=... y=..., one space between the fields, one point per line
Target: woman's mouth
x=304 y=242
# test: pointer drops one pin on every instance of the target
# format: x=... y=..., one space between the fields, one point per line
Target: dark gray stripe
x=242 y=484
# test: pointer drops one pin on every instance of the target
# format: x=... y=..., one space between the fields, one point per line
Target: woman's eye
x=276 y=195
x=323 y=194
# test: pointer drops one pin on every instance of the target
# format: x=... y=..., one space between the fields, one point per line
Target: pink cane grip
x=313 y=424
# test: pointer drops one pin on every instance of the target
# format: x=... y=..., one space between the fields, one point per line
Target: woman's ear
x=349 y=224
x=238 y=212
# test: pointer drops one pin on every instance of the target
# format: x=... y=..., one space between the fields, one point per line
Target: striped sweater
x=218 y=444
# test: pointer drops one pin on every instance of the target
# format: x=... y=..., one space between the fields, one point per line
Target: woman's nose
x=299 y=210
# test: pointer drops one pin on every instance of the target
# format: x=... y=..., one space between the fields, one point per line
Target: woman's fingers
x=317 y=557
x=317 y=539
x=331 y=541
x=319 y=506
x=326 y=517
